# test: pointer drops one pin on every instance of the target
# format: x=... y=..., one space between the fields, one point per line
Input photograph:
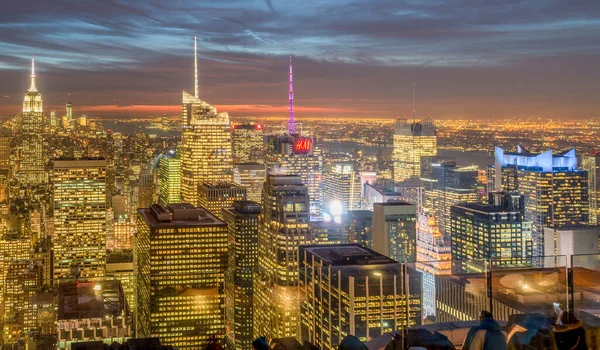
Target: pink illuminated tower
x=291 y=121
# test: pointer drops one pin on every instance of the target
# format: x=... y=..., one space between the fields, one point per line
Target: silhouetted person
x=260 y=343
x=569 y=333
x=487 y=336
x=395 y=344
x=351 y=342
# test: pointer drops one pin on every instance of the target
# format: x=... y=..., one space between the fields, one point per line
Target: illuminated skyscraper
x=23 y=282
x=252 y=177
x=374 y=193
x=248 y=143
x=411 y=142
x=353 y=290
x=121 y=237
x=591 y=164
x=394 y=230
x=80 y=217
x=206 y=154
x=5 y=173
x=146 y=188
x=180 y=259
x=164 y=122
x=119 y=265
x=433 y=257
x=216 y=196
x=448 y=185
x=169 y=179
x=32 y=154
x=283 y=227
x=432 y=251
x=497 y=231
x=555 y=191
x=359 y=225
x=341 y=189
x=328 y=232
x=53 y=122
x=68 y=122
x=294 y=155
x=242 y=249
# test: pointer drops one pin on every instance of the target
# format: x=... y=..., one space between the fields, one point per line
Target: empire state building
x=31 y=171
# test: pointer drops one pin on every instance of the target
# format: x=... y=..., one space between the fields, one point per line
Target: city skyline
x=196 y=229
x=469 y=60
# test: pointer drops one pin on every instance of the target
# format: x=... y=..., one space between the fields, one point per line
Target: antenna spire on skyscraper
x=291 y=121
x=195 y=68
x=414 y=110
x=32 y=87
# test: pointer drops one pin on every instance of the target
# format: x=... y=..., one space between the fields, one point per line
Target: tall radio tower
x=291 y=121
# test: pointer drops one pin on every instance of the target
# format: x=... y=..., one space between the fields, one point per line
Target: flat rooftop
x=178 y=215
x=484 y=208
x=91 y=299
x=80 y=163
x=347 y=255
x=393 y=204
x=219 y=185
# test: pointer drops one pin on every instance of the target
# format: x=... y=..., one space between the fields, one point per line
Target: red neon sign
x=303 y=146
x=258 y=126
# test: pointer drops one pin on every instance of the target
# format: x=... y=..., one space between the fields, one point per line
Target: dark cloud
x=470 y=58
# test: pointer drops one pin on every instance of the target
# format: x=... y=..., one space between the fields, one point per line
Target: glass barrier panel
x=452 y=294
x=585 y=296
x=526 y=297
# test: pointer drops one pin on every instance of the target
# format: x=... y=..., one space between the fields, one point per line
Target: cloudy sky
x=470 y=58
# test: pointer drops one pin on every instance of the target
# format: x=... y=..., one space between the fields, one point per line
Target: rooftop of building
x=576 y=227
x=245 y=208
x=383 y=190
x=91 y=299
x=410 y=182
x=130 y=344
x=83 y=161
x=484 y=208
x=178 y=215
x=284 y=180
x=347 y=255
x=355 y=213
x=219 y=185
x=394 y=204
x=547 y=161
x=250 y=166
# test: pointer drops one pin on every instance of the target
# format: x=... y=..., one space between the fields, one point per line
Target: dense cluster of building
x=233 y=233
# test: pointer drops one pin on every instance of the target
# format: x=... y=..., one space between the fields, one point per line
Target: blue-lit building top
x=543 y=162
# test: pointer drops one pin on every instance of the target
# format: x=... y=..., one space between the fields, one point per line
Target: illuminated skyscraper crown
x=33 y=99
